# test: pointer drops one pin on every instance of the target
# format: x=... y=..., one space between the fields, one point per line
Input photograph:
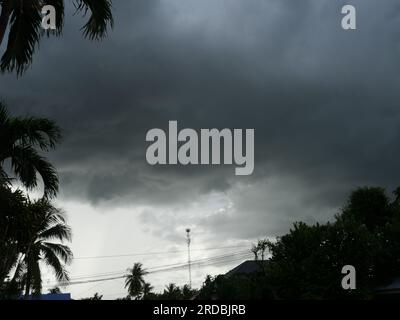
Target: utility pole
x=189 y=262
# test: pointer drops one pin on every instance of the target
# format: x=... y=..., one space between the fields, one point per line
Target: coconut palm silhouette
x=23 y=18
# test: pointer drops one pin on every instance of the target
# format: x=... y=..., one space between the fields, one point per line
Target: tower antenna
x=188 y=240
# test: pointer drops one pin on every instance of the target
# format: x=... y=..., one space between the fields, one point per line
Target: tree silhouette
x=13 y=213
x=23 y=17
x=262 y=244
x=20 y=140
x=96 y=297
x=306 y=263
x=55 y=290
x=46 y=231
x=134 y=280
x=172 y=292
x=147 y=291
x=255 y=250
x=28 y=228
x=187 y=292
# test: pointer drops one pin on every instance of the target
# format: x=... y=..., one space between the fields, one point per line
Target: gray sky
x=323 y=102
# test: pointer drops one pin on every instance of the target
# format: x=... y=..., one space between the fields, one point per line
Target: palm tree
x=172 y=292
x=24 y=19
x=13 y=212
x=187 y=292
x=134 y=280
x=45 y=224
x=20 y=139
x=147 y=290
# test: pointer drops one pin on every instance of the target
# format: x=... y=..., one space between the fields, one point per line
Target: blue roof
x=52 y=297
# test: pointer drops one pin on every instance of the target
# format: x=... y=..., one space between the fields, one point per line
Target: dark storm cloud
x=323 y=101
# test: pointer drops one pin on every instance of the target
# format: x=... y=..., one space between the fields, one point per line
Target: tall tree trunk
x=28 y=272
x=4 y=17
x=28 y=283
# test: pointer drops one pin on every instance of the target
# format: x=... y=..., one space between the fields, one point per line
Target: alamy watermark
x=349 y=280
x=187 y=147
x=49 y=18
x=348 y=21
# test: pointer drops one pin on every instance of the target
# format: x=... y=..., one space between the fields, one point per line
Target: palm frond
x=50 y=257
x=61 y=251
x=3 y=114
x=60 y=232
x=35 y=131
x=100 y=17
x=26 y=162
x=46 y=215
x=4 y=179
x=25 y=22
x=20 y=269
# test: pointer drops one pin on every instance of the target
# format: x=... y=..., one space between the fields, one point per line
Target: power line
x=226 y=261
x=165 y=268
x=118 y=272
x=183 y=263
x=160 y=267
x=153 y=269
x=215 y=263
x=123 y=276
x=155 y=253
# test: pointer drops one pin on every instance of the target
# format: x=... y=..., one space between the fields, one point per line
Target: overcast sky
x=323 y=103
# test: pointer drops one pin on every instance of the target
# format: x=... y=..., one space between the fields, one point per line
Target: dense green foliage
x=21 y=140
x=32 y=232
x=307 y=262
